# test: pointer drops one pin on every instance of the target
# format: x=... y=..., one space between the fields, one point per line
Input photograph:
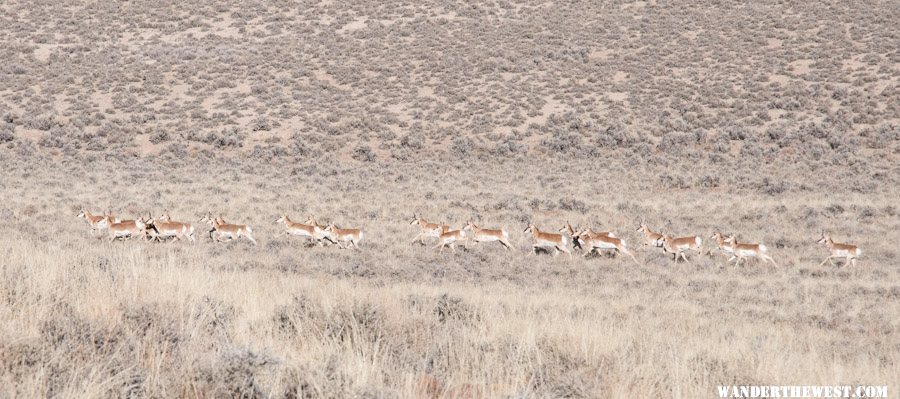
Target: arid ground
x=772 y=120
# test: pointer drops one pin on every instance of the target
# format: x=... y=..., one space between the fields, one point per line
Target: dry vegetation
x=771 y=120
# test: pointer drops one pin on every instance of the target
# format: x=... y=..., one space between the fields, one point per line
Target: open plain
x=772 y=120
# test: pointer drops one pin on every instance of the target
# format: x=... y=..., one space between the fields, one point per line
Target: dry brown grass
x=89 y=318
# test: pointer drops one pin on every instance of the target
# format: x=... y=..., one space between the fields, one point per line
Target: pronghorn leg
x=440 y=245
x=853 y=261
x=828 y=259
x=566 y=250
x=769 y=259
x=250 y=237
x=555 y=251
x=506 y=244
x=533 y=250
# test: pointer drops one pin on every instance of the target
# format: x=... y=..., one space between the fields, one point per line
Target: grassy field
x=773 y=121
x=91 y=318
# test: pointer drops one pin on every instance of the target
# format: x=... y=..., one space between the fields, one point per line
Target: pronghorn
x=164 y=227
x=724 y=246
x=298 y=229
x=428 y=229
x=449 y=238
x=847 y=251
x=557 y=242
x=576 y=241
x=112 y=218
x=745 y=250
x=650 y=237
x=487 y=235
x=678 y=246
x=567 y=229
x=127 y=229
x=347 y=236
x=601 y=242
x=227 y=230
x=98 y=223
x=321 y=233
x=209 y=220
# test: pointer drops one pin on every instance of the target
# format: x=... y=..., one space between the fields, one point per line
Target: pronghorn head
x=83 y=213
x=643 y=227
x=825 y=238
x=530 y=229
x=582 y=234
x=470 y=225
x=282 y=219
x=416 y=220
x=331 y=227
x=732 y=239
x=165 y=217
x=142 y=222
x=567 y=229
x=149 y=222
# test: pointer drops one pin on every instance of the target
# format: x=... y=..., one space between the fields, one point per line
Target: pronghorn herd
x=163 y=228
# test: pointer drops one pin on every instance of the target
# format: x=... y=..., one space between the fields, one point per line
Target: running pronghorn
x=568 y=230
x=321 y=233
x=678 y=246
x=347 y=236
x=298 y=229
x=745 y=250
x=429 y=229
x=724 y=246
x=449 y=239
x=227 y=230
x=601 y=242
x=98 y=223
x=487 y=235
x=576 y=241
x=557 y=242
x=164 y=227
x=127 y=229
x=650 y=237
x=847 y=251
x=112 y=218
